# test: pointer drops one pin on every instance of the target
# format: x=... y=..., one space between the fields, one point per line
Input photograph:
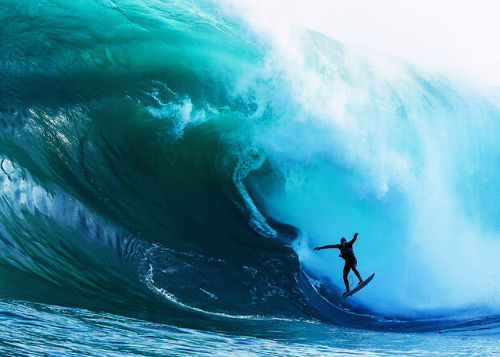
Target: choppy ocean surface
x=33 y=329
x=167 y=168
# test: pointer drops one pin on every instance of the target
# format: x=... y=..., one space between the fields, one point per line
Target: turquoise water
x=51 y=330
x=167 y=168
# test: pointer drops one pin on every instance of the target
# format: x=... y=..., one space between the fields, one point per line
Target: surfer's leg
x=346 y=273
x=353 y=267
x=357 y=274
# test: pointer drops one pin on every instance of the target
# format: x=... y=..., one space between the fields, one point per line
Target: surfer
x=347 y=253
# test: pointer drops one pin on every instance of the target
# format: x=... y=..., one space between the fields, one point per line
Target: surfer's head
x=343 y=241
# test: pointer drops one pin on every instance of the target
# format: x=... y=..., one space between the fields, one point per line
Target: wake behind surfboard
x=360 y=286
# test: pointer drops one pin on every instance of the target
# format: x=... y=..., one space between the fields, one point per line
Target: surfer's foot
x=360 y=282
x=346 y=292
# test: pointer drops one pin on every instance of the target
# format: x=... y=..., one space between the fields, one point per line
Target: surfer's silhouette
x=347 y=253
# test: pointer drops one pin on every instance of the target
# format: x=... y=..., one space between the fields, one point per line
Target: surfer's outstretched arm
x=328 y=246
x=351 y=242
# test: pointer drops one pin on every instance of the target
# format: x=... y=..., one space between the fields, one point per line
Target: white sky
x=461 y=37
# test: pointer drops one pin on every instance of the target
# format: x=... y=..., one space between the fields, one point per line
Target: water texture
x=168 y=166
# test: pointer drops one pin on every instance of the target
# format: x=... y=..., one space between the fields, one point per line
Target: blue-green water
x=51 y=330
x=167 y=168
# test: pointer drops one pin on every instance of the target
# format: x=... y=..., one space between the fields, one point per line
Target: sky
x=458 y=37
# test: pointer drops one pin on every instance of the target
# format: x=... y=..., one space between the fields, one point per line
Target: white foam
x=369 y=143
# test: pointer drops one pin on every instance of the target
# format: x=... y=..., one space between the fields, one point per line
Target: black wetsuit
x=347 y=253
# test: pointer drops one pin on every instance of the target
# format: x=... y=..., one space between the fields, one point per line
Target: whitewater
x=166 y=169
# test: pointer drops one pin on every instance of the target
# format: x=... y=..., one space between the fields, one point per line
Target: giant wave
x=170 y=161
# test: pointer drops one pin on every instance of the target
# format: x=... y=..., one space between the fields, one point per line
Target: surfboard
x=360 y=286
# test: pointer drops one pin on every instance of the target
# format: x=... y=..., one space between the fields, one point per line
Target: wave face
x=151 y=150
